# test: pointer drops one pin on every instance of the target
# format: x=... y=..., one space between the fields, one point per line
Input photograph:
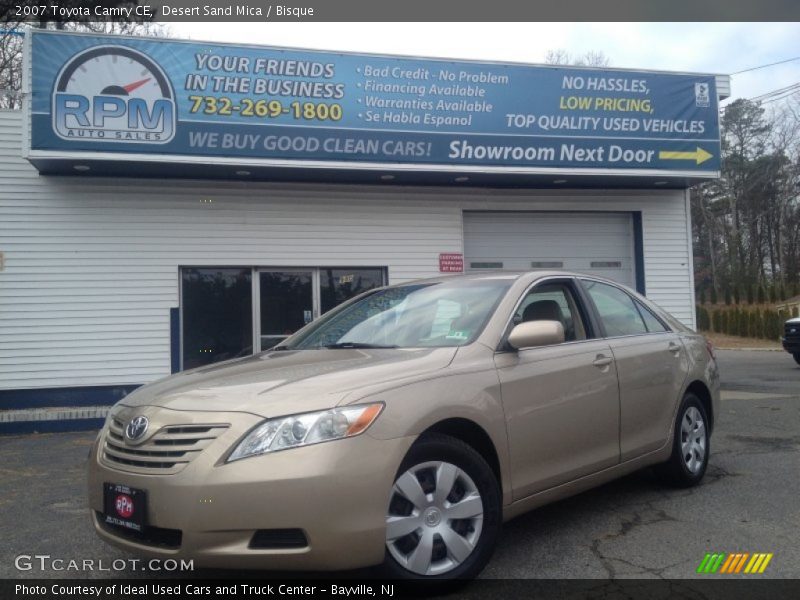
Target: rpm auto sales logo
x=124 y=506
x=113 y=94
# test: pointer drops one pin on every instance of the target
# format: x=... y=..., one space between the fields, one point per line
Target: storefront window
x=217 y=314
x=338 y=285
x=220 y=318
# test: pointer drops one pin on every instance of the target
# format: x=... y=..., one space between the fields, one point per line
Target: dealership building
x=167 y=204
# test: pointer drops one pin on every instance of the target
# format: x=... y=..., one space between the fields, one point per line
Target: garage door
x=596 y=243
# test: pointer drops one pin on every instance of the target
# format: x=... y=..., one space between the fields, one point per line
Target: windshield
x=425 y=314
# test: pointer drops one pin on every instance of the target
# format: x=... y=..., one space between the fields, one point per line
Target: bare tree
x=747 y=224
x=12 y=31
x=593 y=58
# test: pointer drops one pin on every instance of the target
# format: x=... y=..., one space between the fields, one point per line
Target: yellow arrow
x=698 y=155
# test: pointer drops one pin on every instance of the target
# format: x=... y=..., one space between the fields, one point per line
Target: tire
x=797 y=358
x=447 y=534
x=686 y=467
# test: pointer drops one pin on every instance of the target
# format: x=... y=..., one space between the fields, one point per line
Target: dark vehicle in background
x=791 y=338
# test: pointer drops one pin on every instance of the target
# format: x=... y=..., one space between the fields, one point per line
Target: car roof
x=532 y=275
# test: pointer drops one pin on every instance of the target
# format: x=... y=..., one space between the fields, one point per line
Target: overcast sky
x=699 y=47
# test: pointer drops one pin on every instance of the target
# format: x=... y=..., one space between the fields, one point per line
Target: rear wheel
x=797 y=358
x=444 y=513
x=690 y=446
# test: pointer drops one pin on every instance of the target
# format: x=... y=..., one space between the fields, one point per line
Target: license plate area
x=124 y=506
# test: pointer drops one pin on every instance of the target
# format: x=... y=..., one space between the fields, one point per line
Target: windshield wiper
x=278 y=348
x=358 y=345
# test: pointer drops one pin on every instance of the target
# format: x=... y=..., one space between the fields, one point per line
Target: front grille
x=168 y=451
x=160 y=537
x=264 y=539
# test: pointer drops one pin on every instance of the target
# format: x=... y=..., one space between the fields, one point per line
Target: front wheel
x=691 y=445
x=444 y=513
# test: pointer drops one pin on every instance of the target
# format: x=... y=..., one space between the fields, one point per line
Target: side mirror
x=536 y=333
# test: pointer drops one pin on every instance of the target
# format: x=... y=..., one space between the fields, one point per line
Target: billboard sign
x=151 y=98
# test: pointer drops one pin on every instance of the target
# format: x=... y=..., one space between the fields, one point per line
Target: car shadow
x=517 y=535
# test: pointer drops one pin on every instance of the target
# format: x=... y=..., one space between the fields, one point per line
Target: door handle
x=602 y=361
x=674 y=348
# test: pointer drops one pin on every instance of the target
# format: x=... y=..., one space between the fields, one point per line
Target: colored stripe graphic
x=718 y=562
x=766 y=562
x=711 y=562
x=751 y=566
x=703 y=563
x=741 y=562
x=736 y=562
x=726 y=567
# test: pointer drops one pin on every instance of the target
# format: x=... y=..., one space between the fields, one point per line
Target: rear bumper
x=337 y=493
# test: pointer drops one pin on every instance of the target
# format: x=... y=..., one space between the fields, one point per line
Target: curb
x=750 y=349
x=49 y=420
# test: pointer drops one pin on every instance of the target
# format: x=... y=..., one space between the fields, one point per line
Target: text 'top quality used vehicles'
x=404 y=426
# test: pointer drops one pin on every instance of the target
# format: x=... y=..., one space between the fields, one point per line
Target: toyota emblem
x=136 y=428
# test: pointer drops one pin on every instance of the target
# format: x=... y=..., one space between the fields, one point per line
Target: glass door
x=286 y=303
x=217 y=317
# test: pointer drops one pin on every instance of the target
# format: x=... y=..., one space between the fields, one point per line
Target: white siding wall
x=91 y=265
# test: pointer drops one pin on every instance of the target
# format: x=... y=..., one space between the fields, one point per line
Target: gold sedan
x=403 y=427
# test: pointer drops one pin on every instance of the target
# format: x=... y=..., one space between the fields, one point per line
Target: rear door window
x=654 y=325
x=617 y=311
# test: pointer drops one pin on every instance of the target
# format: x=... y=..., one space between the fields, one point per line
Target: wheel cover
x=435 y=518
x=693 y=439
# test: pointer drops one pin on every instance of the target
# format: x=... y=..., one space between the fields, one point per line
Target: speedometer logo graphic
x=113 y=94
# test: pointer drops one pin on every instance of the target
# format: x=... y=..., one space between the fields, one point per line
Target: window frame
x=578 y=296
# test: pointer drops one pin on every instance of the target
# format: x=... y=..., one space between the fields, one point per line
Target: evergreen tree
x=759 y=332
x=744 y=322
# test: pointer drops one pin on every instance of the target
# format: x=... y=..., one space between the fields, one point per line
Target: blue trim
x=72 y=396
x=638 y=251
x=175 y=339
x=50 y=426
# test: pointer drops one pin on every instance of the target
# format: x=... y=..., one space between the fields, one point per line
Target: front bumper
x=792 y=346
x=336 y=492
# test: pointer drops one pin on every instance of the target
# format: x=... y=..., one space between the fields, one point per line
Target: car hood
x=287 y=382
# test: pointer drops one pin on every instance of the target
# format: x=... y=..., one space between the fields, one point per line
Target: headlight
x=306 y=429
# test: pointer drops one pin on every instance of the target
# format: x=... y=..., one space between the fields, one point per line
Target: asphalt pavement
x=633 y=527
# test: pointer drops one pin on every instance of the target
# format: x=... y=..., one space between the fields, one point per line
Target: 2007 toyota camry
x=404 y=426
